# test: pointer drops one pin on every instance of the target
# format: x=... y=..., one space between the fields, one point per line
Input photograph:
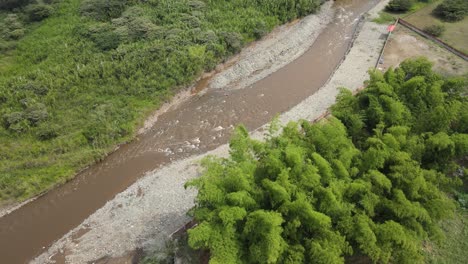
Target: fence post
x=385 y=43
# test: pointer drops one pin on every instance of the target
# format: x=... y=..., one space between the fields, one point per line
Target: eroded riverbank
x=155 y=206
x=198 y=125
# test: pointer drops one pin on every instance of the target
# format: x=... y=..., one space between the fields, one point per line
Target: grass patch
x=455 y=245
x=386 y=17
x=456 y=33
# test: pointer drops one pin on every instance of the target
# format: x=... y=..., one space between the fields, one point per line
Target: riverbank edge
x=145 y=215
x=325 y=14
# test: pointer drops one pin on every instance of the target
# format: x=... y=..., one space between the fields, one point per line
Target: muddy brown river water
x=197 y=125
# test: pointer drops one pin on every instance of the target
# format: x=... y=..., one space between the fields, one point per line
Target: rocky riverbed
x=147 y=212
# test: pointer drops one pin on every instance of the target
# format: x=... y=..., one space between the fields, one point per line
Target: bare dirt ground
x=404 y=44
x=455 y=34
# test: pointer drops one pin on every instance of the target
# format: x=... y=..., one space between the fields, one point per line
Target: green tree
x=435 y=30
x=452 y=10
x=399 y=5
x=313 y=194
x=38 y=12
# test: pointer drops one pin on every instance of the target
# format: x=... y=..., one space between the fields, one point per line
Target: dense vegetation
x=452 y=10
x=374 y=180
x=76 y=77
x=399 y=5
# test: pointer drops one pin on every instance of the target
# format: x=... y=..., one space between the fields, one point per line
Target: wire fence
x=385 y=44
x=441 y=43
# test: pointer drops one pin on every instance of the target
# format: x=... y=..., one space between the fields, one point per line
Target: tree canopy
x=374 y=179
x=452 y=10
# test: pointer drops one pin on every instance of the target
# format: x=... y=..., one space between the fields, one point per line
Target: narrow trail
x=196 y=126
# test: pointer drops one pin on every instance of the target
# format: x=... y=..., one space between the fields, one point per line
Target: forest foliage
x=375 y=179
x=452 y=10
x=77 y=76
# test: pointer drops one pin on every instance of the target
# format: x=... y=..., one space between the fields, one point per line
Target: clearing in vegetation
x=399 y=9
x=374 y=180
x=77 y=76
x=454 y=34
x=404 y=43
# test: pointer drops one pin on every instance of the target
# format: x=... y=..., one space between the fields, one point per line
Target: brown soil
x=405 y=44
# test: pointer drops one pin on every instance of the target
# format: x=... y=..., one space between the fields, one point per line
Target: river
x=196 y=126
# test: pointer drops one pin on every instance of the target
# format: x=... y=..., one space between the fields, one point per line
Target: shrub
x=207 y=37
x=107 y=40
x=260 y=30
x=46 y=132
x=38 y=12
x=36 y=88
x=133 y=25
x=452 y=10
x=103 y=36
x=15 y=122
x=7 y=45
x=399 y=5
x=141 y=28
x=11 y=4
x=191 y=21
x=233 y=41
x=102 y=9
x=435 y=30
x=12 y=28
x=36 y=114
x=305 y=7
x=12 y=118
x=196 y=5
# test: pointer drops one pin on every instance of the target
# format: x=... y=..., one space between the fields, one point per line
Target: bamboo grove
x=373 y=180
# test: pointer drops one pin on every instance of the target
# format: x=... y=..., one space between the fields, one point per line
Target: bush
x=12 y=118
x=260 y=30
x=435 y=30
x=233 y=41
x=452 y=10
x=15 y=122
x=47 y=131
x=102 y=35
x=38 y=12
x=12 y=28
x=36 y=88
x=141 y=28
x=399 y=5
x=36 y=114
x=196 y=5
x=11 y=4
x=102 y=9
x=107 y=40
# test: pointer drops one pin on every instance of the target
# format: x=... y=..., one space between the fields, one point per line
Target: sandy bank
x=155 y=206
